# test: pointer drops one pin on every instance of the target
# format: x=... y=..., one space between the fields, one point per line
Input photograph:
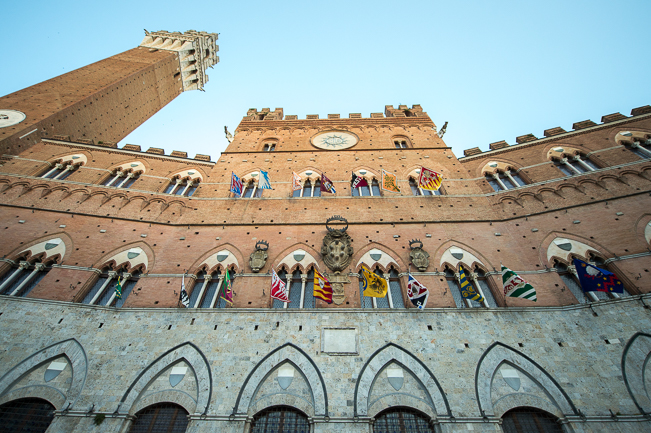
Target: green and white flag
x=516 y=287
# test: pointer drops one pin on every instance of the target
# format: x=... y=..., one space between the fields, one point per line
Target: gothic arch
x=553 y=247
x=131 y=402
x=389 y=257
x=209 y=261
x=498 y=354
x=57 y=253
x=445 y=255
x=288 y=352
x=495 y=165
x=286 y=258
x=635 y=362
x=76 y=357
x=119 y=256
x=391 y=352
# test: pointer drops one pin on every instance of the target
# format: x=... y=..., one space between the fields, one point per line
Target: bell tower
x=105 y=101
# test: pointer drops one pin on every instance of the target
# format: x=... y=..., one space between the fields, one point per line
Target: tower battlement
x=197 y=52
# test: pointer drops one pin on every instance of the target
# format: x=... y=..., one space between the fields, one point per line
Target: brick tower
x=106 y=100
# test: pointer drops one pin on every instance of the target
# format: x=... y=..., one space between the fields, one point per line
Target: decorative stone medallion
x=419 y=257
x=336 y=250
x=258 y=258
x=334 y=140
x=11 y=117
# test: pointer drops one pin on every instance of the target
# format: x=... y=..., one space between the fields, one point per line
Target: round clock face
x=10 y=117
x=334 y=140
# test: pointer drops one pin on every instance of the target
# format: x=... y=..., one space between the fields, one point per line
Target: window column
x=466 y=300
x=475 y=282
x=38 y=267
x=67 y=168
x=216 y=295
x=496 y=176
x=129 y=175
x=508 y=174
x=578 y=159
x=189 y=184
x=22 y=266
x=288 y=287
x=111 y=275
x=565 y=162
x=125 y=278
x=116 y=177
x=387 y=278
x=303 y=281
x=55 y=168
x=636 y=145
x=206 y=281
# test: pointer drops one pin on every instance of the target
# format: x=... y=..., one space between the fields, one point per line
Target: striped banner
x=467 y=290
x=516 y=287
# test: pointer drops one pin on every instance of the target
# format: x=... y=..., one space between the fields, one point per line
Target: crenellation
x=645 y=109
x=133 y=147
x=554 y=131
x=179 y=154
x=583 y=124
x=156 y=150
x=498 y=145
x=612 y=117
x=525 y=138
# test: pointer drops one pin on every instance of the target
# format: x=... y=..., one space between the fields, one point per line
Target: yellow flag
x=374 y=285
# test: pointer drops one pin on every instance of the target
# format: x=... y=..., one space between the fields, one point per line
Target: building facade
x=81 y=214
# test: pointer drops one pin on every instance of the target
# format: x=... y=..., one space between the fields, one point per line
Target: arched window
x=269 y=146
x=393 y=298
x=636 y=141
x=401 y=420
x=574 y=164
x=479 y=283
x=375 y=188
x=416 y=190
x=26 y=415
x=530 y=420
x=182 y=186
x=208 y=290
x=104 y=291
x=22 y=278
x=61 y=170
x=282 y=274
x=162 y=417
x=280 y=419
x=371 y=189
x=251 y=190
x=301 y=290
x=400 y=143
x=120 y=178
x=502 y=180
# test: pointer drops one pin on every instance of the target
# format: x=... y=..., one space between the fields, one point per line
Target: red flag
x=296 y=182
x=278 y=288
x=326 y=185
x=429 y=179
x=358 y=181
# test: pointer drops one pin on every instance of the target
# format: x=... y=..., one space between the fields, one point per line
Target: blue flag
x=263 y=183
x=467 y=289
x=594 y=279
x=236 y=185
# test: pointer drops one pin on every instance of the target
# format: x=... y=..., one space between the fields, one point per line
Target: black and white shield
x=285 y=376
x=54 y=369
x=396 y=377
x=511 y=377
x=177 y=374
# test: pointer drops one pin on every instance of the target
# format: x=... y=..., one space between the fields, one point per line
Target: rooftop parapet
x=641 y=110
x=264 y=114
x=612 y=117
x=554 y=131
x=525 y=138
x=197 y=52
x=403 y=111
x=253 y=114
x=498 y=145
x=583 y=124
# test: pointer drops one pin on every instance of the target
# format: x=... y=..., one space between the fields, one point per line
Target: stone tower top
x=197 y=51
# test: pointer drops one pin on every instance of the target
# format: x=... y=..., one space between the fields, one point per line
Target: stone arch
x=388 y=258
x=121 y=256
x=460 y=254
x=497 y=165
x=40 y=245
x=629 y=136
x=193 y=173
x=76 y=357
x=131 y=402
x=288 y=352
x=564 y=246
x=222 y=257
x=389 y=353
x=498 y=354
x=286 y=258
x=635 y=363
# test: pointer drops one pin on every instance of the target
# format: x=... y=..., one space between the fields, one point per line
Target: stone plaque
x=339 y=341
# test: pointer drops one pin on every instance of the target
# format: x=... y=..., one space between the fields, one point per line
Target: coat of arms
x=259 y=257
x=336 y=249
x=419 y=257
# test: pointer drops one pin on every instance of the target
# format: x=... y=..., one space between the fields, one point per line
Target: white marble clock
x=334 y=140
x=10 y=117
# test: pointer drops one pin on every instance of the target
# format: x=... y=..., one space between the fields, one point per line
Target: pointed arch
x=286 y=258
x=635 y=361
x=499 y=353
x=391 y=352
x=288 y=352
x=368 y=255
x=76 y=356
x=453 y=253
x=194 y=357
x=120 y=256
x=40 y=245
x=562 y=245
x=214 y=259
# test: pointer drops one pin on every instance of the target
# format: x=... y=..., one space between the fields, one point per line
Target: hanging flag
x=417 y=293
x=236 y=185
x=278 y=288
x=183 y=297
x=227 y=291
x=263 y=183
x=516 y=287
x=389 y=182
x=373 y=285
x=594 y=279
x=429 y=179
x=467 y=289
x=296 y=182
x=326 y=185
x=322 y=287
x=118 y=288
x=358 y=181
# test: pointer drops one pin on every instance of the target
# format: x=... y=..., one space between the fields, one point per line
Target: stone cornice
x=554 y=138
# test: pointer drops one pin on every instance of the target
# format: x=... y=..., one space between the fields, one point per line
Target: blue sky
x=495 y=70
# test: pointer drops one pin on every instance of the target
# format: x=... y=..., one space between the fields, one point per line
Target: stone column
x=68 y=167
x=590 y=295
x=475 y=283
x=511 y=178
x=567 y=164
x=467 y=301
x=38 y=267
x=303 y=281
x=204 y=286
x=129 y=175
x=55 y=168
x=4 y=267
x=496 y=176
x=22 y=266
x=216 y=295
x=644 y=150
x=125 y=278
x=289 y=288
x=389 y=297
x=188 y=185
x=111 y=275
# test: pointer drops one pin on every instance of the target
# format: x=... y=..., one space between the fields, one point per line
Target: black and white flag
x=183 y=299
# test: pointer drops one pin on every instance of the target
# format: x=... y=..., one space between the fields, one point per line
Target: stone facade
x=79 y=215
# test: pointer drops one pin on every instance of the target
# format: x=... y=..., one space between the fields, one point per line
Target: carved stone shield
x=396 y=377
x=54 y=369
x=511 y=377
x=337 y=281
x=336 y=250
x=285 y=376
x=419 y=258
x=177 y=374
x=257 y=260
